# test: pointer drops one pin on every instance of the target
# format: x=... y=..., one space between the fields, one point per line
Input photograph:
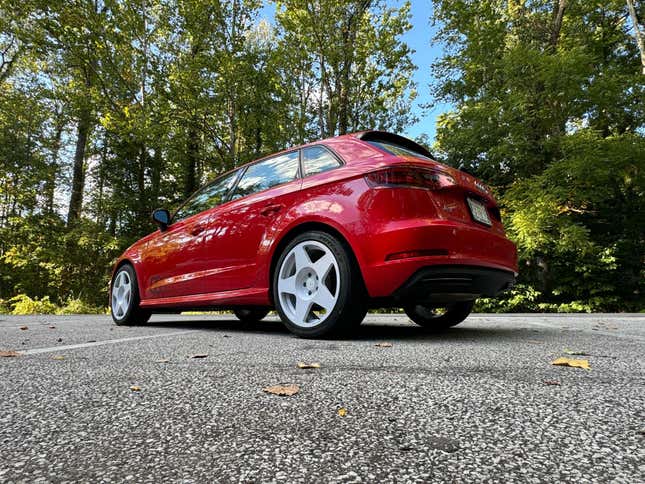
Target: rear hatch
x=455 y=194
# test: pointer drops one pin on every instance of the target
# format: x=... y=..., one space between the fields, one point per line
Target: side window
x=208 y=197
x=267 y=174
x=317 y=159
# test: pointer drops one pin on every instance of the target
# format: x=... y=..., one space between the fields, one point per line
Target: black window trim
x=340 y=161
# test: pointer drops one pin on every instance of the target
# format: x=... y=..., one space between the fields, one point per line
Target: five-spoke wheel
x=125 y=298
x=317 y=289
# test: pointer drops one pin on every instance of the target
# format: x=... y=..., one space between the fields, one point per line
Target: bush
x=23 y=305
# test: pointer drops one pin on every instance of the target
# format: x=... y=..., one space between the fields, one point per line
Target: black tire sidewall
x=455 y=314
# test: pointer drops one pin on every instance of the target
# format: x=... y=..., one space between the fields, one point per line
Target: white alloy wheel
x=309 y=283
x=121 y=294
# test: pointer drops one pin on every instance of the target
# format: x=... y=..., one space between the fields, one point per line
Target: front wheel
x=439 y=318
x=317 y=286
x=124 y=300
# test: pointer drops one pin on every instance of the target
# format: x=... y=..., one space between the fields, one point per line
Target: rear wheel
x=317 y=287
x=439 y=318
x=250 y=315
x=124 y=300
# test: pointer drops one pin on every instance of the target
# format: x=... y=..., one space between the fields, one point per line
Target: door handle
x=271 y=209
x=197 y=229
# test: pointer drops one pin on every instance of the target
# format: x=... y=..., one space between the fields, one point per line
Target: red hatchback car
x=321 y=233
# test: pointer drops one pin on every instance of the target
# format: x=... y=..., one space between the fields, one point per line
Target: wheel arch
x=306 y=227
x=120 y=263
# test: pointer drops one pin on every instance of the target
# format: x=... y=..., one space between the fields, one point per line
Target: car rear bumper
x=443 y=284
x=403 y=258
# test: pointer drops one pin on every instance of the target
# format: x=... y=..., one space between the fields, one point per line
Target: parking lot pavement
x=481 y=402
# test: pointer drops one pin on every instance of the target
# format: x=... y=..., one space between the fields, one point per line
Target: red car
x=321 y=233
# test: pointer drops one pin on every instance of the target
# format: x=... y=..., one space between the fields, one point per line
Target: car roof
x=366 y=135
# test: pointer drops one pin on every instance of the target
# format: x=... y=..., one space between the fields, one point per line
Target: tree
x=548 y=108
x=352 y=68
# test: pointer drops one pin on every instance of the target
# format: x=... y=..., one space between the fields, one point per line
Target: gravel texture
x=479 y=403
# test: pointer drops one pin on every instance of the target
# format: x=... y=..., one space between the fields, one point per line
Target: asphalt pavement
x=87 y=401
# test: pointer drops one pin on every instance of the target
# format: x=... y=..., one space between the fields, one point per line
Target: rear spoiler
x=396 y=139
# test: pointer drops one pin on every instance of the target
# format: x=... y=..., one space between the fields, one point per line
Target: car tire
x=317 y=287
x=250 y=315
x=430 y=318
x=124 y=298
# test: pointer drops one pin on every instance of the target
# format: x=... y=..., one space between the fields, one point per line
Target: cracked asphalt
x=479 y=403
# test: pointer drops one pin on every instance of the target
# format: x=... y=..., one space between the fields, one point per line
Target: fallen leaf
x=383 y=345
x=58 y=357
x=307 y=366
x=283 y=390
x=574 y=363
x=342 y=411
x=552 y=382
x=51 y=327
x=576 y=353
x=9 y=354
x=135 y=388
x=24 y=328
x=199 y=355
x=163 y=360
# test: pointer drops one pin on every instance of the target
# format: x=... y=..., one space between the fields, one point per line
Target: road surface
x=89 y=401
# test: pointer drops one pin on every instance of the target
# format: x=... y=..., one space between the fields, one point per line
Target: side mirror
x=161 y=217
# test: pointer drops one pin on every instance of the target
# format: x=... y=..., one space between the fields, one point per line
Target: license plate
x=478 y=211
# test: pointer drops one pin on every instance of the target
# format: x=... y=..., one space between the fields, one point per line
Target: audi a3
x=321 y=233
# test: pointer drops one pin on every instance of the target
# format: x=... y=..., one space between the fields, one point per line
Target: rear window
x=397 y=150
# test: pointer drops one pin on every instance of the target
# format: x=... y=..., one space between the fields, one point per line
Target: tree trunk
x=558 y=15
x=190 y=165
x=78 y=174
x=52 y=169
x=640 y=41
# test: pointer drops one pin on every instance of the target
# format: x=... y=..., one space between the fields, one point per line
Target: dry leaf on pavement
x=24 y=328
x=307 y=366
x=58 y=357
x=552 y=382
x=383 y=345
x=9 y=354
x=51 y=327
x=575 y=353
x=163 y=360
x=342 y=411
x=572 y=362
x=199 y=355
x=135 y=388
x=282 y=390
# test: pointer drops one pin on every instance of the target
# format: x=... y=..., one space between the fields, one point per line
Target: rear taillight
x=407 y=176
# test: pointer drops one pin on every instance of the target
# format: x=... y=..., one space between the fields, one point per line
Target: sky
x=419 y=39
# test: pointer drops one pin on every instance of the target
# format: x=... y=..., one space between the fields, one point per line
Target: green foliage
x=554 y=118
x=23 y=305
x=40 y=257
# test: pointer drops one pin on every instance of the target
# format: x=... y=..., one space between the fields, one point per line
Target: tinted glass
x=317 y=159
x=208 y=197
x=267 y=174
x=397 y=150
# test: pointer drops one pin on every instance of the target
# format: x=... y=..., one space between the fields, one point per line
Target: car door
x=175 y=260
x=263 y=193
